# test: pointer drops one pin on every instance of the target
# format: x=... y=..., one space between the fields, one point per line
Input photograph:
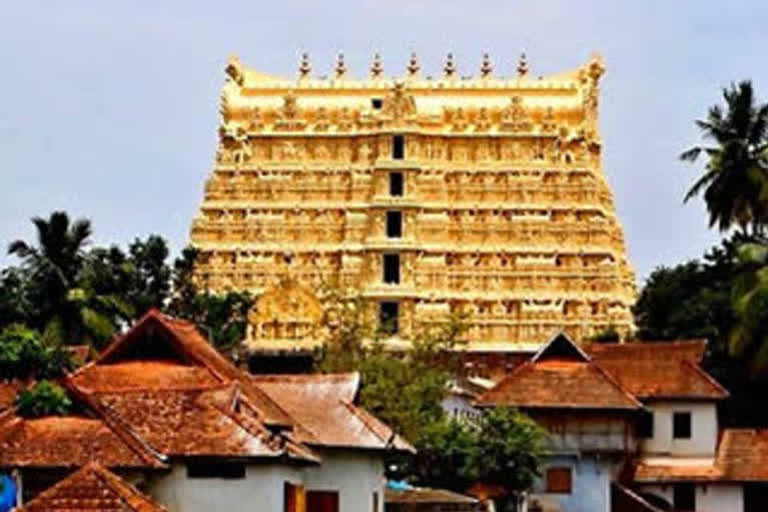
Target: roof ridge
x=710 y=379
x=354 y=410
x=612 y=380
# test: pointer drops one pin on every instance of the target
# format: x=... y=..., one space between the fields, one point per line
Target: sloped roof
x=92 y=488
x=186 y=342
x=8 y=391
x=325 y=413
x=70 y=441
x=742 y=456
x=560 y=375
x=659 y=370
x=426 y=495
x=133 y=375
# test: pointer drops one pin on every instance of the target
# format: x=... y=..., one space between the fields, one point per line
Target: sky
x=109 y=109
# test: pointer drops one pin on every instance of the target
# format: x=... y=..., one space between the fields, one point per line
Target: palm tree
x=735 y=181
x=748 y=338
x=64 y=311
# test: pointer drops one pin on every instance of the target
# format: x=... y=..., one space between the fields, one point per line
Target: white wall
x=590 y=484
x=703 y=441
x=354 y=474
x=709 y=498
x=261 y=489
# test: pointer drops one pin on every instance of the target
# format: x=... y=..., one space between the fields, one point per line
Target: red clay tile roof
x=742 y=456
x=69 y=441
x=426 y=495
x=325 y=413
x=192 y=422
x=8 y=391
x=92 y=488
x=559 y=384
x=659 y=370
x=132 y=375
x=190 y=345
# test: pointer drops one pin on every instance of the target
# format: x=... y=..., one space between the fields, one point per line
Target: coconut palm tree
x=64 y=311
x=748 y=338
x=735 y=180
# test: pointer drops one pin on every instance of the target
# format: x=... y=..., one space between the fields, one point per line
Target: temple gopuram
x=427 y=195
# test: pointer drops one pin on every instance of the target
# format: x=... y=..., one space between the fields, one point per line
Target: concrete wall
x=709 y=498
x=590 y=484
x=261 y=489
x=355 y=475
x=703 y=441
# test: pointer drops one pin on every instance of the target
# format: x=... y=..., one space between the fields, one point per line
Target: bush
x=44 y=399
x=23 y=355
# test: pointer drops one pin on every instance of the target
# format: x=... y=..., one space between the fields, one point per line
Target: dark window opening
x=681 y=425
x=392 y=268
x=645 y=425
x=559 y=480
x=215 y=470
x=684 y=497
x=396 y=183
x=394 y=224
x=322 y=501
x=389 y=313
x=398 y=147
x=377 y=103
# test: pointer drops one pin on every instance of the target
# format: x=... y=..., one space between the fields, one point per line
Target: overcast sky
x=109 y=109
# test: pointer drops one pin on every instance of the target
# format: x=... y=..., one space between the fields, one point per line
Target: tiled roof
x=559 y=384
x=186 y=341
x=192 y=422
x=426 y=495
x=8 y=391
x=325 y=413
x=132 y=375
x=69 y=441
x=742 y=456
x=92 y=488
x=659 y=370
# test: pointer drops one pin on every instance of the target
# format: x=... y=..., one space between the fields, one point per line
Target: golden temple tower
x=429 y=195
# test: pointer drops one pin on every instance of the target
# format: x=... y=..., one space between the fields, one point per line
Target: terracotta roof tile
x=742 y=456
x=323 y=407
x=68 y=441
x=553 y=383
x=92 y=488
x=426 y=495
x=8 y=391
x=187 y=342
x=659 y=369
x=192 y=422
x=132 y=375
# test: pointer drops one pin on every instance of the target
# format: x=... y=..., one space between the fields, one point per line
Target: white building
x=162 y=409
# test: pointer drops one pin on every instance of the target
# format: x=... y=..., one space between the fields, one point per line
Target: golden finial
x=486 y=68
x=413 y=65
x=376 y=67
x=449 y=69
x=522 y=65
x=341 y=68
x=305 y=68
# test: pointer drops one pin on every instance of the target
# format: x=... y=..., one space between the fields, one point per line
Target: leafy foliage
x=734 y=182
x=24 y=356
x=44 y=399
x=502 y=448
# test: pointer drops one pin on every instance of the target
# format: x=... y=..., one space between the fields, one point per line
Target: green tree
x=44 y=399
x=23 y=355
x=152 y=283
x=63 y=310
x=734 y=180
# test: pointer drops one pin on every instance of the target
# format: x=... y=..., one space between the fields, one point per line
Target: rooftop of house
x=606 y=376
x=161 y=390
x=92 y=488
x=742 y=456
x=560 y=375
x=427 y=495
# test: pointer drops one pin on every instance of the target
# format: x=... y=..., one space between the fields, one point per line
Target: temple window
x=377 y=103
x=394 y=224
x=398 y=147
x=396 y=184
x=389 y=316
x=391 y=268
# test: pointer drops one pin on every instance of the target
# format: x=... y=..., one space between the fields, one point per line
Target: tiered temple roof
x=483 y=194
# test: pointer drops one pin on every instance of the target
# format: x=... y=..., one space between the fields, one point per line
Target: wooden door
x=322 y=501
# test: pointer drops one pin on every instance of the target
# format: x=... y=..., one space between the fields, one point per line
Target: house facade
x=163 y=411
x=633 y=427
